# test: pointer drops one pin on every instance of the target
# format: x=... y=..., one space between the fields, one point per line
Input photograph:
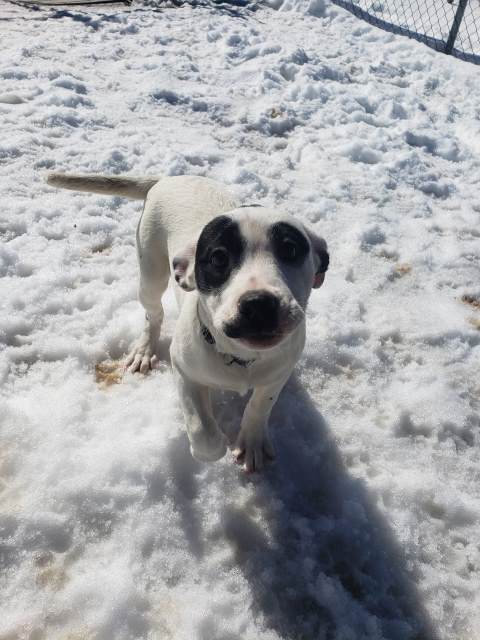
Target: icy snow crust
x=367 y=526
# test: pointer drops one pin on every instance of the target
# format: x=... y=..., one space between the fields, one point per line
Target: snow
x=367 y=526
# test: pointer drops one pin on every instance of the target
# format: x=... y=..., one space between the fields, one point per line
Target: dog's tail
x=136 y=188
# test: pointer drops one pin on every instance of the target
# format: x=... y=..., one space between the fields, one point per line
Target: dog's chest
x=206 y=365
x=201 y=362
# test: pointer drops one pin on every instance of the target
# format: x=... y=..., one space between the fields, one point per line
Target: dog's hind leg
x=154 y=276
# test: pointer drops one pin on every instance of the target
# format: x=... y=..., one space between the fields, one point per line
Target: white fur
x=175 y=212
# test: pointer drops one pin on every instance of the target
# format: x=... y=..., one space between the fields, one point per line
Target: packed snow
x=367 y=526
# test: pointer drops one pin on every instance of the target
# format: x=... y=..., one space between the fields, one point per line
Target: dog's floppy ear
x=183 y=267
x=321 y=258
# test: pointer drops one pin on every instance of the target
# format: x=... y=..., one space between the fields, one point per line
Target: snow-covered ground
x=368 y=524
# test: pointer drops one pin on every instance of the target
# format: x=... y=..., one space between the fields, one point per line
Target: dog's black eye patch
x=220 y=250
x=290 y=246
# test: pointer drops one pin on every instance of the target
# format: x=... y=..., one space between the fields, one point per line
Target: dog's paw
x=141 y=358
x=252 y=449
x=208 y=447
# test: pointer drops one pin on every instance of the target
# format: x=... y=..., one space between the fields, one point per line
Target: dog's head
x=253 y=270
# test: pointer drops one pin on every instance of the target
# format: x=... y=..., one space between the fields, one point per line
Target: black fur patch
x=220 y=250
x=324 y=261
x=290 y=246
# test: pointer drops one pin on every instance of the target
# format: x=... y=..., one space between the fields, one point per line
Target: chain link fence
x=450 y=26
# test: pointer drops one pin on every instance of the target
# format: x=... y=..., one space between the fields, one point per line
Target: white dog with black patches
x=249 y=271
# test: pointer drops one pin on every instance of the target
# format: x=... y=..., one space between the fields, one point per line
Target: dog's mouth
x=258 y=340
x=261 y=341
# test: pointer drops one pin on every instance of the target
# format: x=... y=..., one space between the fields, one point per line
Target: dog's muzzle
x=258 y=320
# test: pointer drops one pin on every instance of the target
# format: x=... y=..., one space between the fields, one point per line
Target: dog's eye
x=219 y=258
x=288 y=250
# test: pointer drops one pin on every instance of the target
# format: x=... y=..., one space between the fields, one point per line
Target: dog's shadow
x=320 y=557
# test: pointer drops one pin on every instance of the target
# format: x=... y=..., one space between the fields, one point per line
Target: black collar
x=228 y=358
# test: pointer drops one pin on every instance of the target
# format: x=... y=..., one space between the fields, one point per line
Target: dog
x=243 y=277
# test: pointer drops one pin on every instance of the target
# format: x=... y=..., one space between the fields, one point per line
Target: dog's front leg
x=207 y=442
x=140 y=357
x=253 y=445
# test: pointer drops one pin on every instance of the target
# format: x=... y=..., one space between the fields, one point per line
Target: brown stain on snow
x=475 y=322
x=403 y=268
x=473 y=301
x=108 y=373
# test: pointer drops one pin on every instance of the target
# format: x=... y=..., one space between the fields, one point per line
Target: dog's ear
x=321 y=258
x=183 y=267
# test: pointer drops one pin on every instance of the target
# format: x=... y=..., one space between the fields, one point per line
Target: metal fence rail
x=450 y=26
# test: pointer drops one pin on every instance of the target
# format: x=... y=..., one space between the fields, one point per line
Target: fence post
x=457 y=21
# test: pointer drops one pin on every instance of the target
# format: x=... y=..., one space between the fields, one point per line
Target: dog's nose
x=259 y=309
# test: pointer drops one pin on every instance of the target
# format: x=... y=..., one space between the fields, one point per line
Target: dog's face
x=254 y=270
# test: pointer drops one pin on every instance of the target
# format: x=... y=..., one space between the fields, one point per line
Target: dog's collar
x=228 y=358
